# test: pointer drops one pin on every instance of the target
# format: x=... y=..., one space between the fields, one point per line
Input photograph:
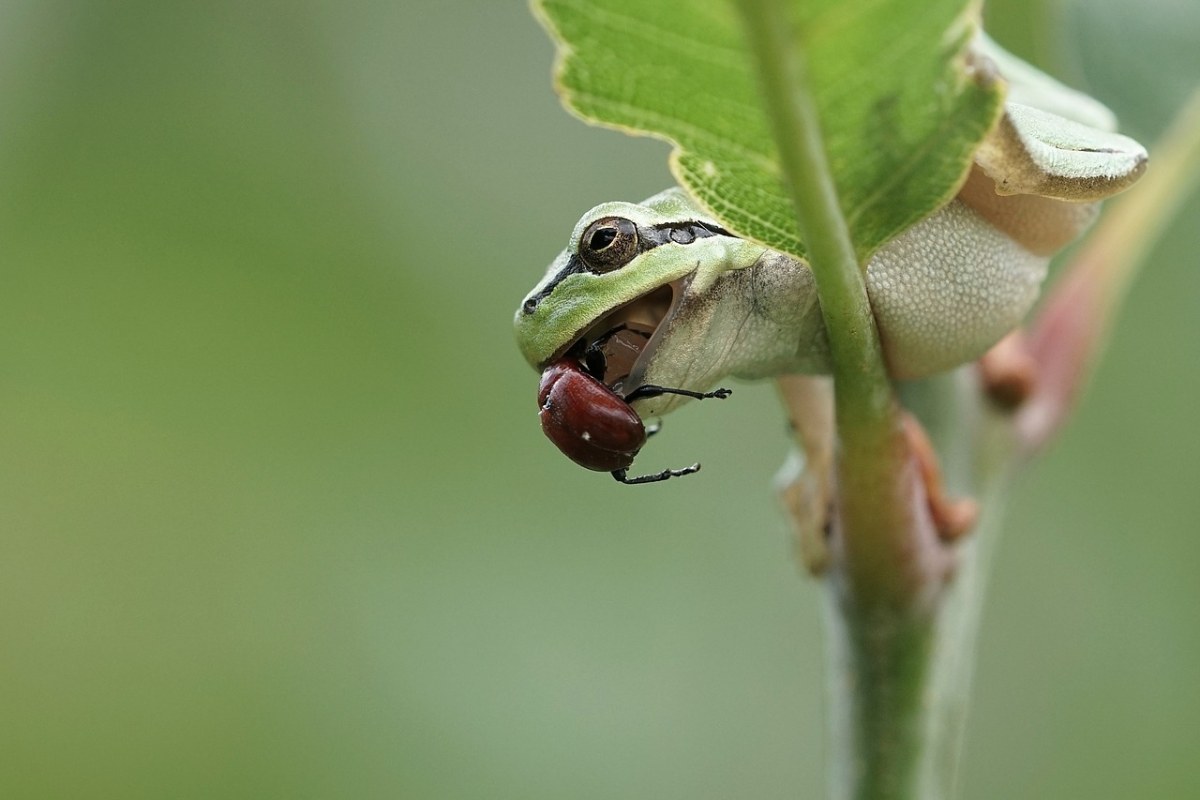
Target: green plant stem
x=858 y=361
x=888 y=556
x=887 y=566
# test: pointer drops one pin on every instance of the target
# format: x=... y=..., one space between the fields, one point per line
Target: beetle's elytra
x=591 y=424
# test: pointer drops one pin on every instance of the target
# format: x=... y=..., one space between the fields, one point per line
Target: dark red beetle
x=594 y=426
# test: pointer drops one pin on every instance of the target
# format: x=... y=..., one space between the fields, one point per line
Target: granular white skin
x=949 y=288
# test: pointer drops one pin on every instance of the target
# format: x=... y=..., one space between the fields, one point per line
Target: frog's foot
x=951 y=517
x=806 y=493
x=1009 y=371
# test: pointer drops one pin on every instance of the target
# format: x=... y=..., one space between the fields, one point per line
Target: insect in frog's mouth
x=618 y=347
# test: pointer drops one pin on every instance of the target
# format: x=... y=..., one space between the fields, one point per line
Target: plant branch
x=887 y=566
x=1070 y=331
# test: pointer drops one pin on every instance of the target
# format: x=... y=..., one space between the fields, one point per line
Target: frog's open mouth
x=628 y=336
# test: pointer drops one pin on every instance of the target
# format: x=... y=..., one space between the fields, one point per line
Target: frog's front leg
x=953 y=517
x=805 y=481
x=1009 y=375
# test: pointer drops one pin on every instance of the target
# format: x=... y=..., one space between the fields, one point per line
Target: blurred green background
x=276 y=516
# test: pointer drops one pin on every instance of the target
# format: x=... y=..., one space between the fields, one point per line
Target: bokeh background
x=276 y=516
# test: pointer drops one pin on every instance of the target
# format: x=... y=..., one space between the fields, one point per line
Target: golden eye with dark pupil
x=608 y=244
x=603 y=238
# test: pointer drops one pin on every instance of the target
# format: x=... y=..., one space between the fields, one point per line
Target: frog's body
x=942 y=292
x=948 y=288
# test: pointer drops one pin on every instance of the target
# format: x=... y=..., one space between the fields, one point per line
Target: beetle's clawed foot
x=619 y=474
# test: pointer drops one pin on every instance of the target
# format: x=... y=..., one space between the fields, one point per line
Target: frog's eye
x=608 y=244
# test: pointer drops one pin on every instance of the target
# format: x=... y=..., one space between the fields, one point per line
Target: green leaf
x=900 y=107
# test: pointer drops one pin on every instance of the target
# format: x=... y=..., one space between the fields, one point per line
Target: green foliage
x=899 y=108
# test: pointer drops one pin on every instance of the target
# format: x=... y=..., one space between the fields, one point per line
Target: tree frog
x=707 y=303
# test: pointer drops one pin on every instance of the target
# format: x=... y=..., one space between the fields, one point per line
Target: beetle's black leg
x=654 y=391
x=619 y=474
x=603 y=340
x=595 y=363
x=593 y=356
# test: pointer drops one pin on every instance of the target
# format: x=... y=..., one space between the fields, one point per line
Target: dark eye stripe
x=648 y=238
x=574 y=265
x=678 y=233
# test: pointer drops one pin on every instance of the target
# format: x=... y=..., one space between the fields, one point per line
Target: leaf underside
x=901 y=110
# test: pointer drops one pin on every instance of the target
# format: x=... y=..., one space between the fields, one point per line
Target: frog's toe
x=1009 y=371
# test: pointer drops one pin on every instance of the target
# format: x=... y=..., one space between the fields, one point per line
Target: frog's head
x=627 y=267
